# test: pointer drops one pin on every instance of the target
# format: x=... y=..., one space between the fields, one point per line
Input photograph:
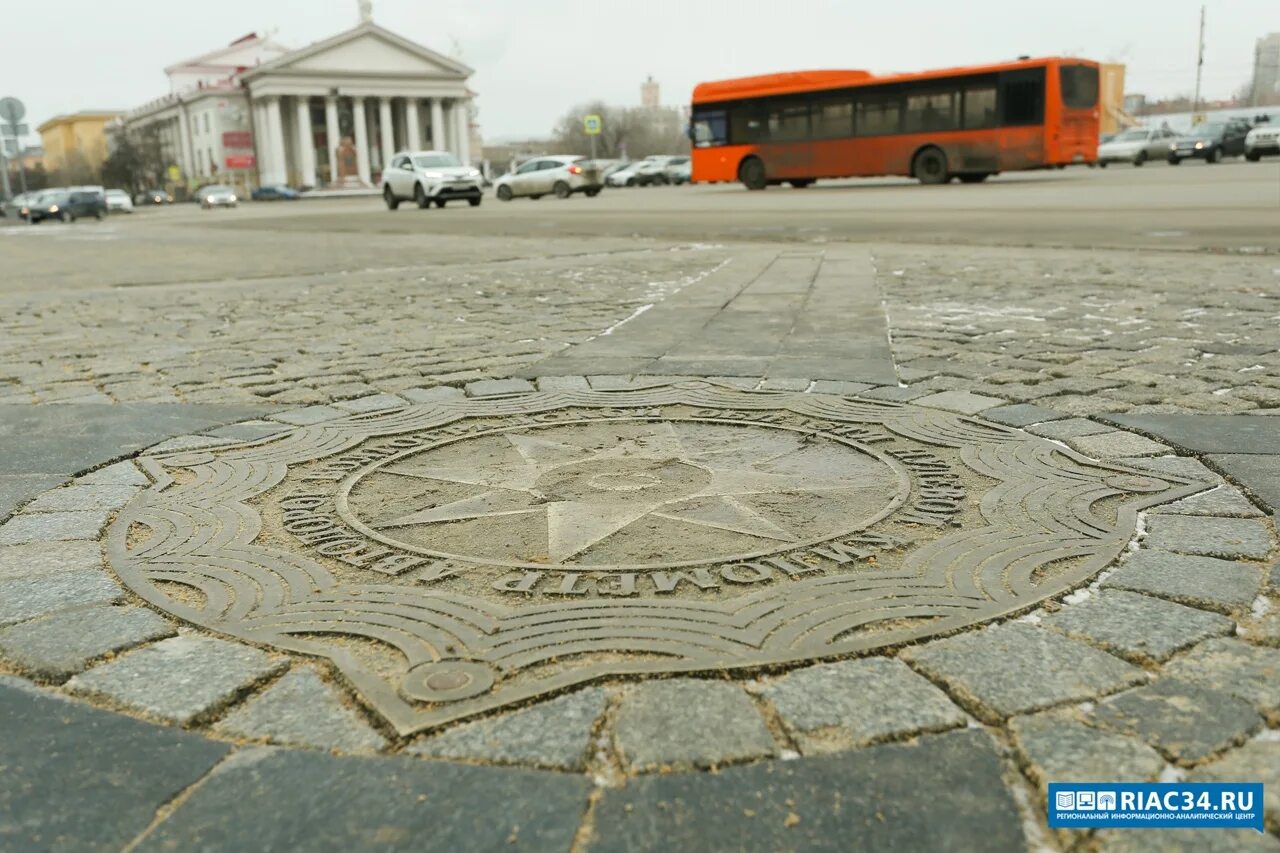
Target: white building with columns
x=327 y=115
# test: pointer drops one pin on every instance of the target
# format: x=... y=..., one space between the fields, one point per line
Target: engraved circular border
x=905 y=483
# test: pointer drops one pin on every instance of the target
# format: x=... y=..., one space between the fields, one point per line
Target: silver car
x=560 y=174
x=1136 y=145
x=1261 y=140
x=216 y=195
x=429 y=176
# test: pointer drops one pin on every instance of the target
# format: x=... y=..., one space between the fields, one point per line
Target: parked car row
x=656 y=169
x=1209 y=141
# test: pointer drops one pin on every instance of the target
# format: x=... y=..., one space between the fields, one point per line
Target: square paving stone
x=52 y=527
x=27 y=597
x=118 y=474
x=1211 y=537
x=1069 y=428
x=489 y=387
x=1022 y=414
x=372 y=403
x=944 y=792
x=689 y=722
x=61 y=645
x=1258 y=474
x=434 y=394
x=179 y=679
x=563 y=383
x=1179 y=466
x=853 y=703
x=894 y=393
x=1138 y=627
x=276 y=799
x=303 y=710
x=1256 y=761
x=1015 y=668
x=1209 y=433
x=1223 y=501
x=1185 y=722
x=309 y=415
x=82 y=497
x=1109 y=445
x=1235 y=667
x=1201 y=581
x=1058 y=748
x=78 y=778
x=837 y=386
x=555 y=734
x=964 y=402
x=39 y=558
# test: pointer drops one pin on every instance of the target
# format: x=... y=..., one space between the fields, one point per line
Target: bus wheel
x=802 y=183
x=974 y=177
x=751 y=173
x=930 y=167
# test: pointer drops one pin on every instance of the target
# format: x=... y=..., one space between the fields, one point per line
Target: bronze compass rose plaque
x=455 y=557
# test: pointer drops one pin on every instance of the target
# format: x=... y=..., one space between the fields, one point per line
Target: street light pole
x=1195 y=105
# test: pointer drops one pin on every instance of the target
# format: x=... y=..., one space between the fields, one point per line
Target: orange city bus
x=965 y=123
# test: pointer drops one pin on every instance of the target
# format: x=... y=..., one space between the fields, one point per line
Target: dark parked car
x=1210 y=142
x=68 y=206
x=277 y=192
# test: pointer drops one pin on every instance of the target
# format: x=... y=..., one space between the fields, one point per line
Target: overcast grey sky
x=534 y=60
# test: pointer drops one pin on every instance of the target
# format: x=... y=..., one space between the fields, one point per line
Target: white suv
x=559 y=174
x=427 y=176
x=1263 y=139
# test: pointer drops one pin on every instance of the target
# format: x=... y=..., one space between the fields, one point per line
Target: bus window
x=1022 y=97
x=1079 y=86
x=788 y=122
x=833 y=117
x=931 y=111
x=710 y=127
x=747 y=125
x=980 y=107
x=877 y=115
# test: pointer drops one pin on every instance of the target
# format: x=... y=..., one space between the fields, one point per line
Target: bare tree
x=624 y=132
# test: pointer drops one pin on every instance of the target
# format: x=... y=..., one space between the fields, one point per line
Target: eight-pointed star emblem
x=688 y=472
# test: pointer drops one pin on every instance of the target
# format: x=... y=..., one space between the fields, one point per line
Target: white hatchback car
x=118 y=201
x=429 y=176
x=1263 y=139
x=559 y=174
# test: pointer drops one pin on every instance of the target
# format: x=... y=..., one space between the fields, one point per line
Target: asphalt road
x=1234 y=206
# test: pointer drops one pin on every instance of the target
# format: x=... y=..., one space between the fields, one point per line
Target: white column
x=362 y=141
x=185 y=159
x=331 y=135
x=306 y=142
x=462 y=124
x=437 y=125
x=386 y=131
x=279 y=165
x=415 y=125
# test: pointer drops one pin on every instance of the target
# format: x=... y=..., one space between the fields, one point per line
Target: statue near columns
x=366 y=11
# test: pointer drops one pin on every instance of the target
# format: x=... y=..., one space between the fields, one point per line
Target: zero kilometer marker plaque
x=454 y=557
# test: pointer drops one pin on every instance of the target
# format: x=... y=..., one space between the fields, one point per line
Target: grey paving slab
x=964 y=402
x=248 y=430
x=62 y=644
x=562 y=383
x=872 y=799
x=556 y=734
x=371 y=403
x=17 y=489
x=52 y=526
x=1068 y=428
x=1138 y=627
x=1187 y=723
x=1181 y=466
x=1110 y=445
x=1257 y=761
x=841 y=387
x=1016 y=668
x=123 y=473
x=1223 y=501
x=301 y=709
x=1209 y=433
x=303 y=800
x=178 y=679
x=1058 y=748
x=854 y=703
x=309 y=415
x=430 y=395
x=682 y=723
x=83 y=497
x=38 y=558
x=78 y=778
x=1247 y=538
x=1236 y=668
x=489 y=387
x=894 y=393
x=1220 y=585
x=36 y=595
x=1259 y=474
x=1022 y=414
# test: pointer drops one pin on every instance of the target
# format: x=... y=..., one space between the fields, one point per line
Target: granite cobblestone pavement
x=130 y=729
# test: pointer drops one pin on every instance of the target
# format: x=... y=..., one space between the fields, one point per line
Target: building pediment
x=364 y=51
